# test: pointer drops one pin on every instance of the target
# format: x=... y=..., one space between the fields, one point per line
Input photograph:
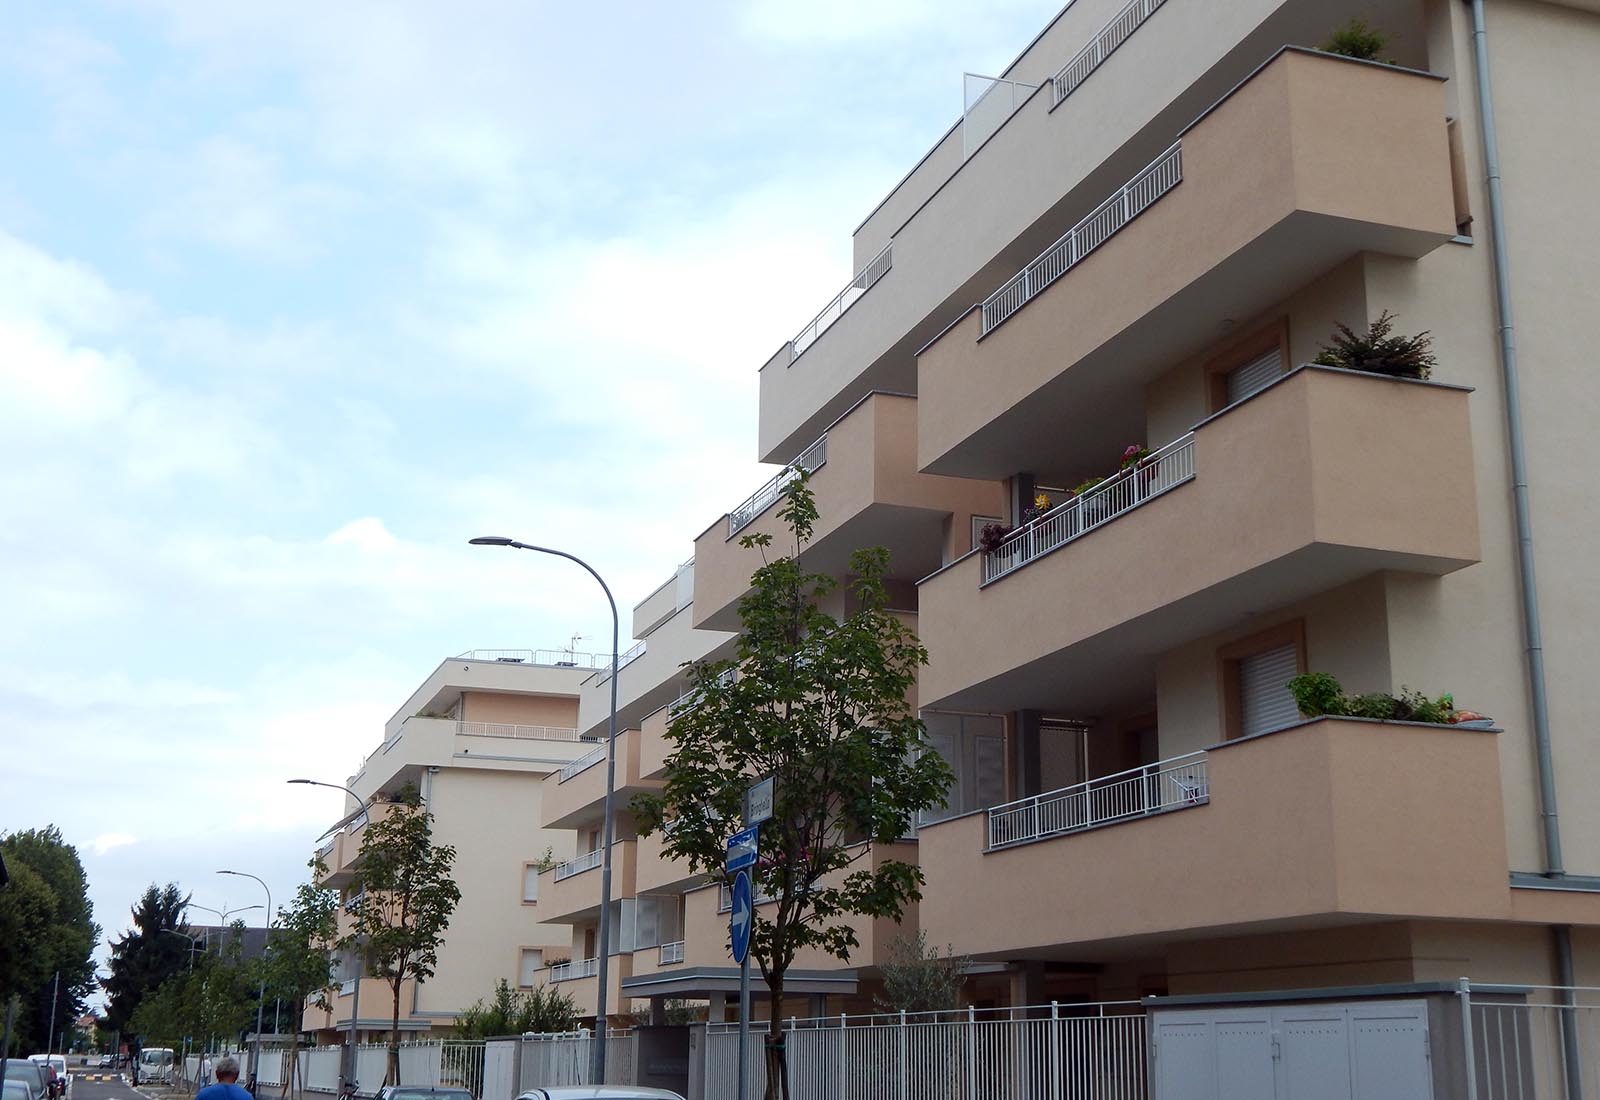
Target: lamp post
x=222 y=916
x=355 y=999
x=194 y=944
x=611 y=783
x=261 y=989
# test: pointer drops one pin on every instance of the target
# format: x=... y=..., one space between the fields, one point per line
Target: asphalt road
x=84 y=1089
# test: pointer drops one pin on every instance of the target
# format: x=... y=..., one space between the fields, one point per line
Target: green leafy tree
x=917 y=977
x=299 y=966
x=541 y=1010
x=401 y=906
x=215 y=999
x=820 y=704
x=50 y=918
x=146 y=955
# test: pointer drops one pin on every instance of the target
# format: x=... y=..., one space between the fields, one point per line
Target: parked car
x=60 y=1079
x=406 y=1092
x=15 y=1089
x=31 y=1074
x=107 y=1061
x=598 y=1092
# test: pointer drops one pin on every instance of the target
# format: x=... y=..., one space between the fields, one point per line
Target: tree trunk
x=777 y=1052
x=288 y=1091
x=393 y=1075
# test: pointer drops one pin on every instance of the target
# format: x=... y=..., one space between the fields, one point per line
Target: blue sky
x=296 y=297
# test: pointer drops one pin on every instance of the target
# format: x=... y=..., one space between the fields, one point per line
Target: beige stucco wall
x=515 y=709
x=1302 y=825
x=492 y=818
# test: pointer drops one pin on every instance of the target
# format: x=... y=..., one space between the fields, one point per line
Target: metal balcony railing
x=624 y=659
x=759 y=501
x=582 y=764
x=875 y=269
x=578 y=864
x=670 y=953
x=1174 y=784
x=1131 y=200
x=520 y=732
x=1164 y=469
x=554 y=658
x=1112 y=35
x=577 y=968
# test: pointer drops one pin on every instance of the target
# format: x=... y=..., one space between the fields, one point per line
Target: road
x=85 y=1089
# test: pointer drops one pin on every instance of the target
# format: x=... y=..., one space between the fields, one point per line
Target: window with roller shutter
x=1265 y=702
x=1254 y=376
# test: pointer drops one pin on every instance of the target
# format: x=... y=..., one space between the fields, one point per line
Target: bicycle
x=347 y=1089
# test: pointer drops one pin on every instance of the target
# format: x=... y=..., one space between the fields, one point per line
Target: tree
x=52 y=917
x=820 y=704
x=402 y=901
x=918 y=978
x=298 y=965
x=214 y=999
x=147 y=954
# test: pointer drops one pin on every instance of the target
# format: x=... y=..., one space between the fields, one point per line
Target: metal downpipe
x=1532 y=629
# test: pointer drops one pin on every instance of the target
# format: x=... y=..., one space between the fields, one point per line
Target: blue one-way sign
x=742 y=850
x=740 y=917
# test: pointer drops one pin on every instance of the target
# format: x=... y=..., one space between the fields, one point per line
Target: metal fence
x=579 y=864
x=1112 y=35
x=1533 y=1043
x=568 y=1059
x=575 y=969
x=430 y=1063
x=555 y=658
x=759 y=501
x=1131 y=200
x=1173 y=784
x=1051 y=1052
x=582 y=764
x=1164 y=469
x=875 y=269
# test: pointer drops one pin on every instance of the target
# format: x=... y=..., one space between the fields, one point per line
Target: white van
x=156 y=1063
x=58 y=1063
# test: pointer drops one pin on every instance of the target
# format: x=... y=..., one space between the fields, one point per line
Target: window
x=975 y=748
x=530 y=882
x=529 y=965
x=1248 y=364
x=1255 y=680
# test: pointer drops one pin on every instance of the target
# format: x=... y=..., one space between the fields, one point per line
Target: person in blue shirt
x=227 y=1086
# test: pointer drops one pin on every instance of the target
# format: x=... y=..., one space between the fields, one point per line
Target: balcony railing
x=525 y=733
x=1174 y=784
x=582 y=764
x=670 y=953
x=577 y=968
x=1112 y=35
x=624 y=659
x=760 y=500
x=554 y=658
x=1164 y=469
x=1131 y=200
x=579 y=864
x=876 y=268
x=690 y=699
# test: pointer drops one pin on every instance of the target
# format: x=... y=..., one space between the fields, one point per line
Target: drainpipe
x=1534 y=638
x=1533 y=632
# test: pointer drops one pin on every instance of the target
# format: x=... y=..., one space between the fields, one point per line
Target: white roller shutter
x=1254 y=375
x=1264 y=699
x=989 y=768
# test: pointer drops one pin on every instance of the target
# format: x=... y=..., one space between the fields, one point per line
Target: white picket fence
x=1052 y=1052
x=568 y=1058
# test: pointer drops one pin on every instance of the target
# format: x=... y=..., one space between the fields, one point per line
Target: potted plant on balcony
x=1379 y=351
x=991 y=536
x=1360 y=40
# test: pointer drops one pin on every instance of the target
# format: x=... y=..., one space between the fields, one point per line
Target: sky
x=297 y=297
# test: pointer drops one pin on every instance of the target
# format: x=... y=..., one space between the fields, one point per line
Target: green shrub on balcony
x=1319 y=695
x=1379 y=351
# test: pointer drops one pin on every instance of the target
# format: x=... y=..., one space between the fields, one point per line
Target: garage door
x=1360 y=1050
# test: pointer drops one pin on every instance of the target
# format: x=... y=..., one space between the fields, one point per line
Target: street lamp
x=355 y=1000
x=222 y=916
x=611 y=783
x=261 y=991
x=194 y=944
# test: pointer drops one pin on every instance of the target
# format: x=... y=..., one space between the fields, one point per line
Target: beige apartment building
x=1140 y=235
x=477 y=739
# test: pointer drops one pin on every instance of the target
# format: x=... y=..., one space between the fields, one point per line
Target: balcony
x=580 y=979
x=1261 y=194
x=670 y=954
x=577 y=968
x=1323 y=477
x=421 y=743
x=1293 y=828
x=577 y=797
x=569 y=892
x=657 y=873
x=868 y=494
x=339 y=852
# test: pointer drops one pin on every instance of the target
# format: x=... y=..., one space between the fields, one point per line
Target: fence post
x=1055 y=1050
x=905 y=1067
x=972 y=1053
x=1469 y=1056
x=841 y=1056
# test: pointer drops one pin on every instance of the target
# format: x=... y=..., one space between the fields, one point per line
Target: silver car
x=598 y=1092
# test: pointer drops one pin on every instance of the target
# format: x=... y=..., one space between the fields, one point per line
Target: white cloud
x=105 y=842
